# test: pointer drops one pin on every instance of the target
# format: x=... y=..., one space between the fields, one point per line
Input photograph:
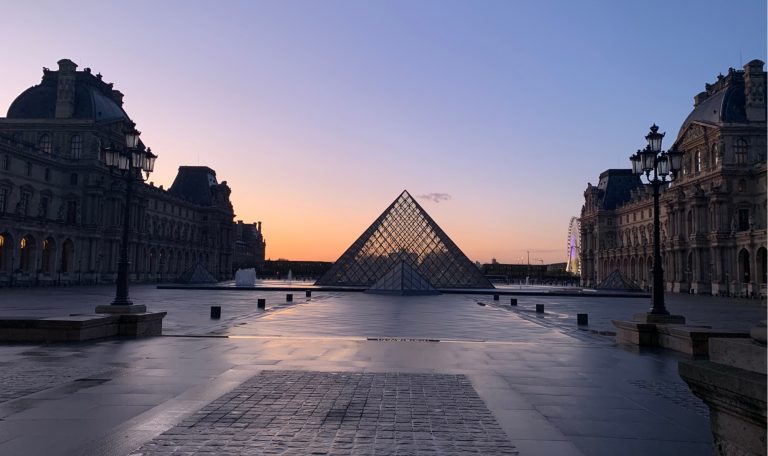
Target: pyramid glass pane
x=404 y=232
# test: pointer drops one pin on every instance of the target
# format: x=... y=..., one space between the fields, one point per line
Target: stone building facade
x=713 y=215
x=61 y=209
x=250 y=246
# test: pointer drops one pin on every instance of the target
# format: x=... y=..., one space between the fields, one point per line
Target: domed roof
x=723 y=102
x=93 y=99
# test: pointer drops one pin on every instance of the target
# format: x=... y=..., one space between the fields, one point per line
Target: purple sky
x=319 y=113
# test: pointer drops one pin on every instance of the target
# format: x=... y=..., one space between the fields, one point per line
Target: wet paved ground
x=299 y=412
x=552 y=389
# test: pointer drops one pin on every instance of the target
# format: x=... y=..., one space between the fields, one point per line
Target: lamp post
x=128 y=163
x=662 y=164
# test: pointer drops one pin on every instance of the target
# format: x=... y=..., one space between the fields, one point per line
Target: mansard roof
x=94 y=99
x=616 y=187
x=721 y=102
x=194 y=183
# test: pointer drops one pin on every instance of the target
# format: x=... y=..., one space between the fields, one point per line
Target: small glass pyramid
x=402 y=279
x=404 y=232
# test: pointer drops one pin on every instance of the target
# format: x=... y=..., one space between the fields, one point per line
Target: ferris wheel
x=573 y=254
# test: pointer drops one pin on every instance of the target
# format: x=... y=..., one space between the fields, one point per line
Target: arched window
x=5 y=254
x=48 y=255
x=76 y=146
x=740 y=151
x=26 y=253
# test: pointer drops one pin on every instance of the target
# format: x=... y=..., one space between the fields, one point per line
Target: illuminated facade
x=713 y=216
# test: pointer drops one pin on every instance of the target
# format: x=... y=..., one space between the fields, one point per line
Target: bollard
x=539 y=308
x=215 y=312
x=495 y=297
x=289 y=297
x=512 y=301
x=309 y=293
x=582 y=319
x=261 y=303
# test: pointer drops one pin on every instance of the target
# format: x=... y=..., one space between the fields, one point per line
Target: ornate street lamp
x=663 y=165
x=129 y=163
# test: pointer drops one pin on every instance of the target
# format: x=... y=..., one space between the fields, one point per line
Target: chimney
x=754 y=91
x=117 y=97
x=699 y=98
x=258 y=224
x=65 y=91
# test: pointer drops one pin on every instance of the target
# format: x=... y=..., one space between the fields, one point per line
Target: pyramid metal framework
x=404 y=232
x=617 y=282
x=402 y=279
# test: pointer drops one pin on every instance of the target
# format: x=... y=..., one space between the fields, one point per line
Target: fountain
x=245 y=277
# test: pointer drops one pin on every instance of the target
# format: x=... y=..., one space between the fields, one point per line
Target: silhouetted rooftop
x=194 y=184
x=94 y=99
x=616 y=185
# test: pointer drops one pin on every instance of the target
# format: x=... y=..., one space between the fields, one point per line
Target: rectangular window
x=24 y=203
x=7 y=162
x=44 y=207
x=73 y=179
x=3 y=199
x=743 y=219
x=47 y=174
x=29 y=168
x=71 y=212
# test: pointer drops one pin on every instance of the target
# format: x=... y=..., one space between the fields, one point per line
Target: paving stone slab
x=339 y=413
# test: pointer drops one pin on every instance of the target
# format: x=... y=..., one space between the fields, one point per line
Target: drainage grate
x=401 y=339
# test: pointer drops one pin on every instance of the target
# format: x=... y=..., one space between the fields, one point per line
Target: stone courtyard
x=350 y=373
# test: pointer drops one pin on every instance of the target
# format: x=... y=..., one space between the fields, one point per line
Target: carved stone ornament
x=694 y=132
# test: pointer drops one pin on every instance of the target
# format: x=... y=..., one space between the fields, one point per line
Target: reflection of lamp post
x=129 y=164
x=653 y=159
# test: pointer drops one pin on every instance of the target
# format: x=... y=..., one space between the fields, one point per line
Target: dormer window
x=76 y=146
x=44 y=143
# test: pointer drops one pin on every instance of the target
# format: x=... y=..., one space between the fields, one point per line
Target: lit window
x=697 y=161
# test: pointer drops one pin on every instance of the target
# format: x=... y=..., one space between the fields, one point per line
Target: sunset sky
x=319 y=113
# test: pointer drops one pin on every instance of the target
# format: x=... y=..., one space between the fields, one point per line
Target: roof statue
x=402 y=279
x=404 y=233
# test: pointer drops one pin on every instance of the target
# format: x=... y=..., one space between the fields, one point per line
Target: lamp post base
x=659 y=319
x=121 y=309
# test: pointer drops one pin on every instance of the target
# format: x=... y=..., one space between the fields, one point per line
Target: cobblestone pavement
x=335 y=413
x=21 y=380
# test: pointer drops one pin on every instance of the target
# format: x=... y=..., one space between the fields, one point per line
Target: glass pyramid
x=404 y=232
x=402 y=279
